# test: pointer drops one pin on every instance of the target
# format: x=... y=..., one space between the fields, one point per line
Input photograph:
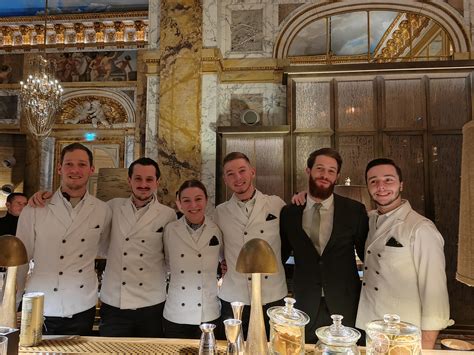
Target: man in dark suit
x=15 y=203
x=323 y=234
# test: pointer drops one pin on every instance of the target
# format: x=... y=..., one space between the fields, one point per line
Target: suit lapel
x=86 y=210
x=152 y=213
x=398 y=218
x=56 y=205
x=205 y=237
x=183 y=234
x=257 y=208
x=127 y=217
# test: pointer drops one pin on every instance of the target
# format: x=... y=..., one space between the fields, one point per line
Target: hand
x=223 y=267
x=39 y=198
x=299 y=199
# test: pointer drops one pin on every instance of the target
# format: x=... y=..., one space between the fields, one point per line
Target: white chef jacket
x=408 y=280
x=237 y=229
x=64 y=247
x=192 y=260
x=135 y=274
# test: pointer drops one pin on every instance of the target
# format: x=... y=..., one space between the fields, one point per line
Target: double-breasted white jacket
x=135 y=274
x=237 y=229
x=64 y=249
x=404 y=271
x=192 y=293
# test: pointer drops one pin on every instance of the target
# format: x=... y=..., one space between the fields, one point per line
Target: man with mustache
x=134 y=286
x=323 y=234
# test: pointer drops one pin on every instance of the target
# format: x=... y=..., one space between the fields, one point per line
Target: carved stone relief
x=99 y=108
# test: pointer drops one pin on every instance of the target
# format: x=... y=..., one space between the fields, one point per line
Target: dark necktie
x=314 y=234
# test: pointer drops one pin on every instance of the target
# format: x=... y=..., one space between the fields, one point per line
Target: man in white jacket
x=248 y=214
x=134 y=283
x=404 y=265
x=63 y=239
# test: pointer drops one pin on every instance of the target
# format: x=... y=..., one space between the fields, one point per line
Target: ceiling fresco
x=57 y=7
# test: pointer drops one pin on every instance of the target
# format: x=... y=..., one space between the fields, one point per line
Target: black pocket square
x=270 y=217
x=392 y=242
x=97 y=226
x=159 y=230
x=214 y=241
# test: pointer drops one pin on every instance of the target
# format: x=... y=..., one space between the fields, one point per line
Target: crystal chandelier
x=40 y=95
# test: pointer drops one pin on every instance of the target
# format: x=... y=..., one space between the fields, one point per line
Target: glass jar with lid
x=392 y=336
x=337 y=339
x=287 y=329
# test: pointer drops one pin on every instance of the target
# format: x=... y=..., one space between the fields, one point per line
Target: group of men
x=396 y=244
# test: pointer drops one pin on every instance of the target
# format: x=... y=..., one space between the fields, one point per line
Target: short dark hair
x=144 y=161
x=77 y=146
x=329 y=152
x=191 y=183
x=12 y=196
x=383 y=161
x=234 y=156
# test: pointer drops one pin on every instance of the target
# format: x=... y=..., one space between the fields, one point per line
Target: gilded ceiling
x=57 y=7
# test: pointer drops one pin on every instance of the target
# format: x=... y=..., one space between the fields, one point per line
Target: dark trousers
x=226 y=313
x=145 y=322
x=79 y=324
x=189 y=331
x=323 y=318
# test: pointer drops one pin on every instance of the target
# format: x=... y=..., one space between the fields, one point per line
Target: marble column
x=179 y=125
x=208 y=135
x=39 y=165
x=151 y=58
x=152 y=104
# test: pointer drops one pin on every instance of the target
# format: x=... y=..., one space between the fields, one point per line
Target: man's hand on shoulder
x=299 y=199
x=39 y=199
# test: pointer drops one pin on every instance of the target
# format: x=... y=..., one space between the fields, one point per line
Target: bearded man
x=323 y=234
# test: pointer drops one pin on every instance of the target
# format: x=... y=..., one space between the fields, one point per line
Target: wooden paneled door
x=413 y=116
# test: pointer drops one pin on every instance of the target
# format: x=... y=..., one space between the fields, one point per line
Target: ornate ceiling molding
x=74 y=32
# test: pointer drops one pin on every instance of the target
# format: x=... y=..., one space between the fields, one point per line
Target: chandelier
x=40 y=94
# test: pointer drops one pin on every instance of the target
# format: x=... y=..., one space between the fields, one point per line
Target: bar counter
x=102 y=345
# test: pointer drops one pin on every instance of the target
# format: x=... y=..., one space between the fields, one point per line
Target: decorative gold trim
x=123 y=30
x=86 y=17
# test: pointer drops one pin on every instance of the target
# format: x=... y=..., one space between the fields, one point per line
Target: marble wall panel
x=246 y=30
x=210 y=33
x=179 y=125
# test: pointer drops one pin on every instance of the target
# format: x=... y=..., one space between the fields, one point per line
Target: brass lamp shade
x=12 y=251
x=256 y=256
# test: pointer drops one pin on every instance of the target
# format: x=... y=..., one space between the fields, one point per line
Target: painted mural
x=8 y=107
x=57 y=7
x=95 y=66
x=11 y=68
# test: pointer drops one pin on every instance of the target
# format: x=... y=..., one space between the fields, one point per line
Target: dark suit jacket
x=335 y=270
